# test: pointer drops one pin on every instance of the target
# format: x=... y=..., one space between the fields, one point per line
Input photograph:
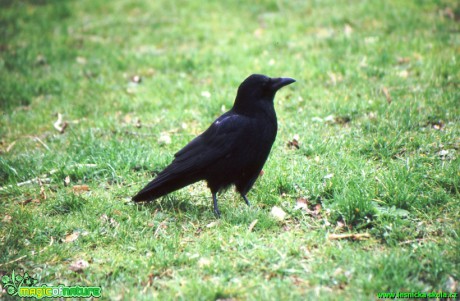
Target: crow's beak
x=278 y=83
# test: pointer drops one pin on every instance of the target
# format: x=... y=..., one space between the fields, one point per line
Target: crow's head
x=259 y=88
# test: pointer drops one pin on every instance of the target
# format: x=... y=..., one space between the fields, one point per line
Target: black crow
x=232 y=150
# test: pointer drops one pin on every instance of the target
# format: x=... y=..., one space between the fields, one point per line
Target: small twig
x=45 y=177
x=413 y=240
x=41 y=142
x=387 y=94
x=251 y=226
x=32 y=181
x=354 y=236
x=10 y=146
x=139 y=134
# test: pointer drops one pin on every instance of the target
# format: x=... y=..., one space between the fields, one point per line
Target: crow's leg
x=246 y=199
x=216 y=208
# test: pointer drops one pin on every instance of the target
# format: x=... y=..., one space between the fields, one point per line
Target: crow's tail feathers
x=162 y=185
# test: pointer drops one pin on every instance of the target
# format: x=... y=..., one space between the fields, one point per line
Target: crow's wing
x=219 y=141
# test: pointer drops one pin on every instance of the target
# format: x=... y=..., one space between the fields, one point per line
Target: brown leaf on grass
x=403 y=60
x=80 y=188
x=261 y=173
x=79 y=265
x=340 y=225
x=318 y=209
x=387 y=94
x=71 y=237
x=352 y=236
x=304 y=204
x=60 y=125
x=294 y=143
x=301 y=203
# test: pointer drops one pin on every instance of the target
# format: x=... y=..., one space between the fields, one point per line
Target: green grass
x=386 y=168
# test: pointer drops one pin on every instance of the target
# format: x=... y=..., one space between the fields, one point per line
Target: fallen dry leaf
x=71 y=237
x=403 y=60
x=78 y=265
x=60 y=125
x=318 y=209
x=80 y=188
x=301 y=203
x=387 y=94
x=352 y=236
x=294 y=143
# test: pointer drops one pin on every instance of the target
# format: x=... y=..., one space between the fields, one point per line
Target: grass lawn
x=97 y=96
